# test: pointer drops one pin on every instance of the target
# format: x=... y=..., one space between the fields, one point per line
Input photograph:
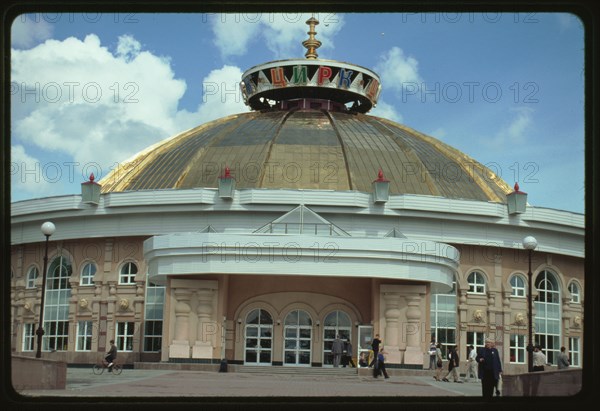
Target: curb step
x=296 y=370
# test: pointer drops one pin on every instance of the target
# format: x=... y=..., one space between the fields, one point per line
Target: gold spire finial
x=311 y=43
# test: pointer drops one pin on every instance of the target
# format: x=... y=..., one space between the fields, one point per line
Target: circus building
x=260 y=236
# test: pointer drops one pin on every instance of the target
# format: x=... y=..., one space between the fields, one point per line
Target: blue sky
x=91 y=90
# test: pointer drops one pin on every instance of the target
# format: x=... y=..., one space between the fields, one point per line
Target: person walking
x=453 y=365
x=471 y=364
x=490 y=368
x=563 y=359
x=111 y=355
x=432 y=356
x=439 y=363
x=348 y=359
x=336 y=350
x=379 y=368
x=375 y=347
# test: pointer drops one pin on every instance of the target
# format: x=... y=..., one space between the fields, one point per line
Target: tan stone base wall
x=543 y=384
x=38 y=374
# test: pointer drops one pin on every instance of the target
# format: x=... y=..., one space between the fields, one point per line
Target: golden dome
x=308 y=148
x=309 y=130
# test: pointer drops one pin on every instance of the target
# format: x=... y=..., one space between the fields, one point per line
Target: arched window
x=443 y=318
x=547 y=314
x=32 y=275
x=87 y=274
x=517 y=283
x=56 y=307
x=574 y=290
x=128 y=272
x=476 y=282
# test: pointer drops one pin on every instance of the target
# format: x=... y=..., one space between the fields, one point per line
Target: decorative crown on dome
x=345 y=86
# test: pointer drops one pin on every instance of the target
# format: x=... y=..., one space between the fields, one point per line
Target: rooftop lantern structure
x=310 y=82
x=226 y=185
x=381 y=188
x=90 y=191
x=516 y=201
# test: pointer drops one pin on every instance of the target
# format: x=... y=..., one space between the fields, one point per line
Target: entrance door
x=365 y=338
x=297 y=341
x=336 y=323
x=258 y=336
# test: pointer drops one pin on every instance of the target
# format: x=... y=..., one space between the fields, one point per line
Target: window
x=574 y=290
x=476 y=282
x=87 y=274
x=155 y=297
x=28 y=336
x=443 y=319
x=547 y=314
x=124 y=338
x=84 y=336
x=476 y=339
x=574 y=352
x=517 y=349
x=32 y=275
x=128 y=272
x=56 y=307
x=517 y=283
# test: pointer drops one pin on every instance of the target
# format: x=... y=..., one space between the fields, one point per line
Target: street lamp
x=529 y=243
x=47 y=229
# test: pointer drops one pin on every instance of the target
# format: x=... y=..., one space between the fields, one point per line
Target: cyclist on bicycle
x=111 y=355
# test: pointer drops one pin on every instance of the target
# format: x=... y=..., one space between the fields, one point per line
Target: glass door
x=365 y=338
x=258 y=336
x=336 y=323
x=297 y=341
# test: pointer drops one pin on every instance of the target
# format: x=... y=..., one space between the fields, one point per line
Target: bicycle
x=102 y=365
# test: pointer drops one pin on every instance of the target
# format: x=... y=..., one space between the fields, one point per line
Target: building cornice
x=448 y=220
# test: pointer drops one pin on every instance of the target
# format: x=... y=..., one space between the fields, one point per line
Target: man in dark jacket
x=375 y=347
x=490 y=368
x=453 y=363
x=111 y=355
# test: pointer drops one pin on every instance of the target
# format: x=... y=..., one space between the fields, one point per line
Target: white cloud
x=396 y=69
x=231 y=37
x=515 y=132
x=386 y=110
x=26 y=31
x=220 y=97
x=279 y=32
x=76 y=100
x=128 y=48
x=25 y=173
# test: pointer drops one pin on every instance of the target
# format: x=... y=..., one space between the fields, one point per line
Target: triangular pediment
x=394 y=232
x=302 y=220
x=207 y=229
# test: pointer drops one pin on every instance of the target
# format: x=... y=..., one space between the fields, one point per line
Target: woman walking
x=439 y=364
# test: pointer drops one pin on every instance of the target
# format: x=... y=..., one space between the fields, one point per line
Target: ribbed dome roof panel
x=306 y=154
x=310 y=149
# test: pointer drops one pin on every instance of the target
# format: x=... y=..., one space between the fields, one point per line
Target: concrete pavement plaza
x=82 y=383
